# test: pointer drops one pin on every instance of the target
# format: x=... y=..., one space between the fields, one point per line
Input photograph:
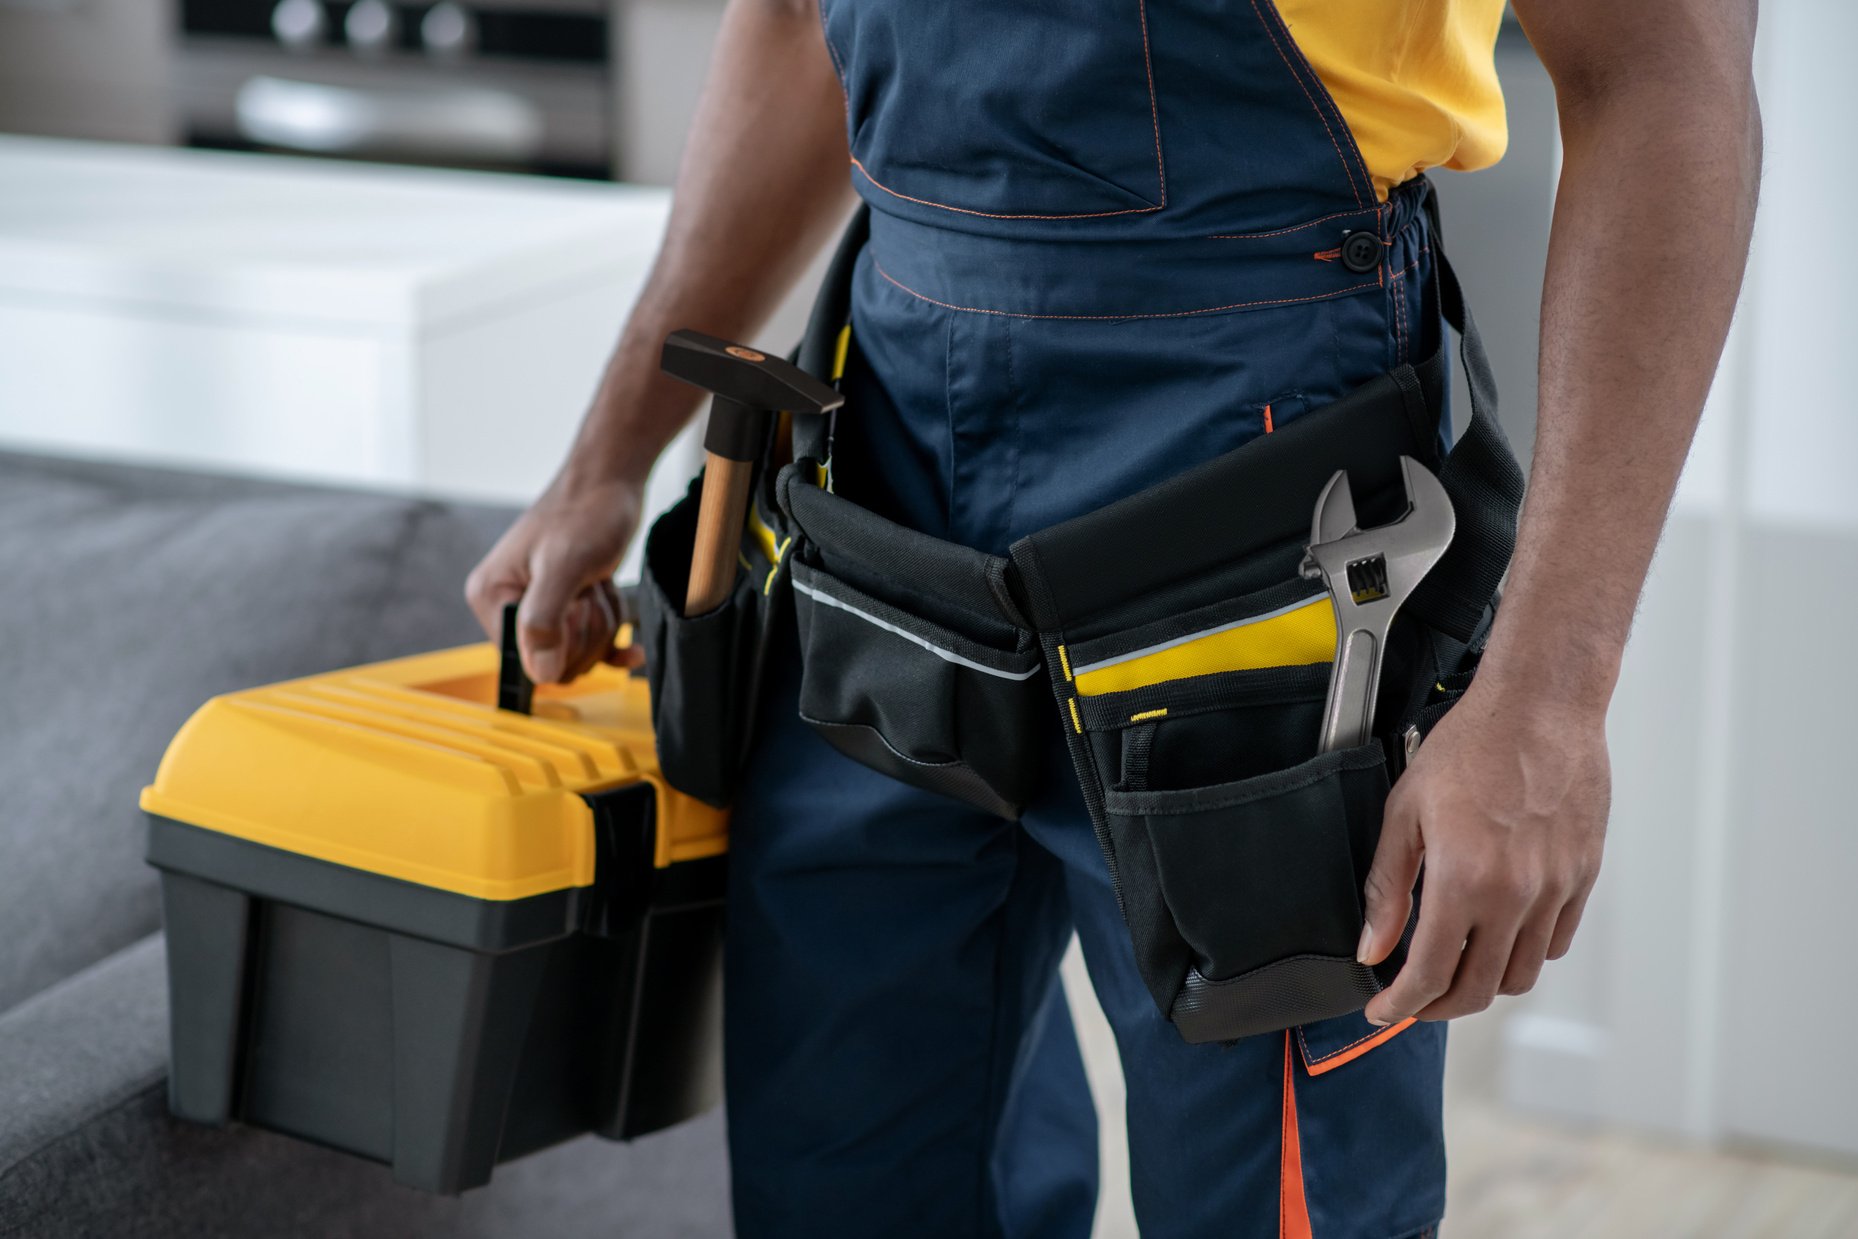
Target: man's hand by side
x=1506 y=804
x=1507 y=799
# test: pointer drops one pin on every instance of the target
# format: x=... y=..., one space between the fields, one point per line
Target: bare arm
x=1507 y=801
x=763 y=182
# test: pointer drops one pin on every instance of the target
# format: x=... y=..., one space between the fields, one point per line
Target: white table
x=428 y=330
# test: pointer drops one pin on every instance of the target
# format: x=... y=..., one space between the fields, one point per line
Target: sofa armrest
x=87 y=1147
x=85 y=1048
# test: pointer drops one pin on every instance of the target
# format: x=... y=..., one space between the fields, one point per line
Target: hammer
x=746 y=387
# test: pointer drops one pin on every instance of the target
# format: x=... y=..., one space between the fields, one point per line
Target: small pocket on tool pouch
x=705 y=670
x=1203 y=729
x=933 y=686
x=1262 y=877
x=1208 y=696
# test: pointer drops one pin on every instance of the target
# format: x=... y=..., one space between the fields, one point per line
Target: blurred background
x=413 y=290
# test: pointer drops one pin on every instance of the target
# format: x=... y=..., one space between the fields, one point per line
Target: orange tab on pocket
x=1334 y=1043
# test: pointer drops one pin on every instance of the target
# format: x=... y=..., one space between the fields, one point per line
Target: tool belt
x=1187 y=656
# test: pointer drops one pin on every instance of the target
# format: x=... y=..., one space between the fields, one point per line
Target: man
x=1107 y=242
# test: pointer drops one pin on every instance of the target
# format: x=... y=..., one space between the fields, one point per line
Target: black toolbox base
x=440 y=1058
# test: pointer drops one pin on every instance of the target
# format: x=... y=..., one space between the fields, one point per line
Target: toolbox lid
x=407 y=769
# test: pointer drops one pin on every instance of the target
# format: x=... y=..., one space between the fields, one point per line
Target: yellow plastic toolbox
x=406 y=923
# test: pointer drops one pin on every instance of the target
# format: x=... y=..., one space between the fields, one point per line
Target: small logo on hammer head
x=746 y=354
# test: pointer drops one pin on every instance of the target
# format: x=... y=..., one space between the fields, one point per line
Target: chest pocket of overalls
x=1003 y=108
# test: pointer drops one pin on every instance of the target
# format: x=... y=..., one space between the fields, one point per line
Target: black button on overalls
x=1361 y=251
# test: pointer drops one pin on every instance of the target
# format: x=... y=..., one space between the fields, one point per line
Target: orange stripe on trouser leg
x=1293 y=1212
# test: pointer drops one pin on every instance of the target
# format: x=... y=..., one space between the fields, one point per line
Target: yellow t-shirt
x=1416 y=80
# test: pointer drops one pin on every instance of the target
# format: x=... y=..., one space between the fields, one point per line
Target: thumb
x=541 y=623
x=1388 y=892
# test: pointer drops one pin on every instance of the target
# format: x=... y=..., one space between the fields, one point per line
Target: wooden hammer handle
x=722 y=509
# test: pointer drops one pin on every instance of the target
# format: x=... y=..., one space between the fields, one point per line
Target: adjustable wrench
x=1370 y=573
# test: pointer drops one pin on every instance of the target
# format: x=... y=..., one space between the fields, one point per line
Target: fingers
x=1480 y=971
x=1567 y=922
x=631 y=654
x=593 y=619
x=1501 y=953
x=575 y=657
x=542 y=624
x=487 y=592
x=1388 y=892
x=1529 y=952
x=1431 y=963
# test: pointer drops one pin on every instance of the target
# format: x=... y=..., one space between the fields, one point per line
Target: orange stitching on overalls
x=1154 y=109
x=1321 y=117
x=1327 y=255
x=1161 y=170
x=1278 y=232
x=1402 y=319
x=1211 y=309
x=1420 y=257
x=1267 y=419
x=1326 y=102
x=943 y=206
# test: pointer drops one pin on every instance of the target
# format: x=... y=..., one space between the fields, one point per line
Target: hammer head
x=1365 y=567
x=746 y=385
x=745 y=375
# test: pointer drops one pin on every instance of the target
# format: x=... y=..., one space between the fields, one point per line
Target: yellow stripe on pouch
x=1296 y=636
x=764 y=537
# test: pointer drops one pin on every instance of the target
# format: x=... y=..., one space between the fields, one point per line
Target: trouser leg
x=1211 y=1144
x=899 y=1059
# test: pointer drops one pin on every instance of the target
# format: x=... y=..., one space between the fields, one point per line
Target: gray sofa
x=127 y=597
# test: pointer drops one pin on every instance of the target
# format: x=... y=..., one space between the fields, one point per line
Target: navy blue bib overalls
x=1108 y=241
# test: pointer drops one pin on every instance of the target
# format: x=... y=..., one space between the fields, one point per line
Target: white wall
x=1708 y=993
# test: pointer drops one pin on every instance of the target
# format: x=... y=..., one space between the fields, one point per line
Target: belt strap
x=1480 y=473
x=832 y=310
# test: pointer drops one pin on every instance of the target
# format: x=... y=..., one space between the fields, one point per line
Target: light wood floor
x=1514 y=1178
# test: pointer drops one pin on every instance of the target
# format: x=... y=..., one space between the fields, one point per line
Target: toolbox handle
x=515 y=690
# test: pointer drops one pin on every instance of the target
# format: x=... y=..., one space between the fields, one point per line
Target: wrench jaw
x=1335 y=511
x=1333 y=521
x=1370 y=574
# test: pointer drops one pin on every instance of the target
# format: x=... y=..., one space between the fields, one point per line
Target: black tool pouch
x=914 y=658
x=706 y=670
x=1190 y=679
